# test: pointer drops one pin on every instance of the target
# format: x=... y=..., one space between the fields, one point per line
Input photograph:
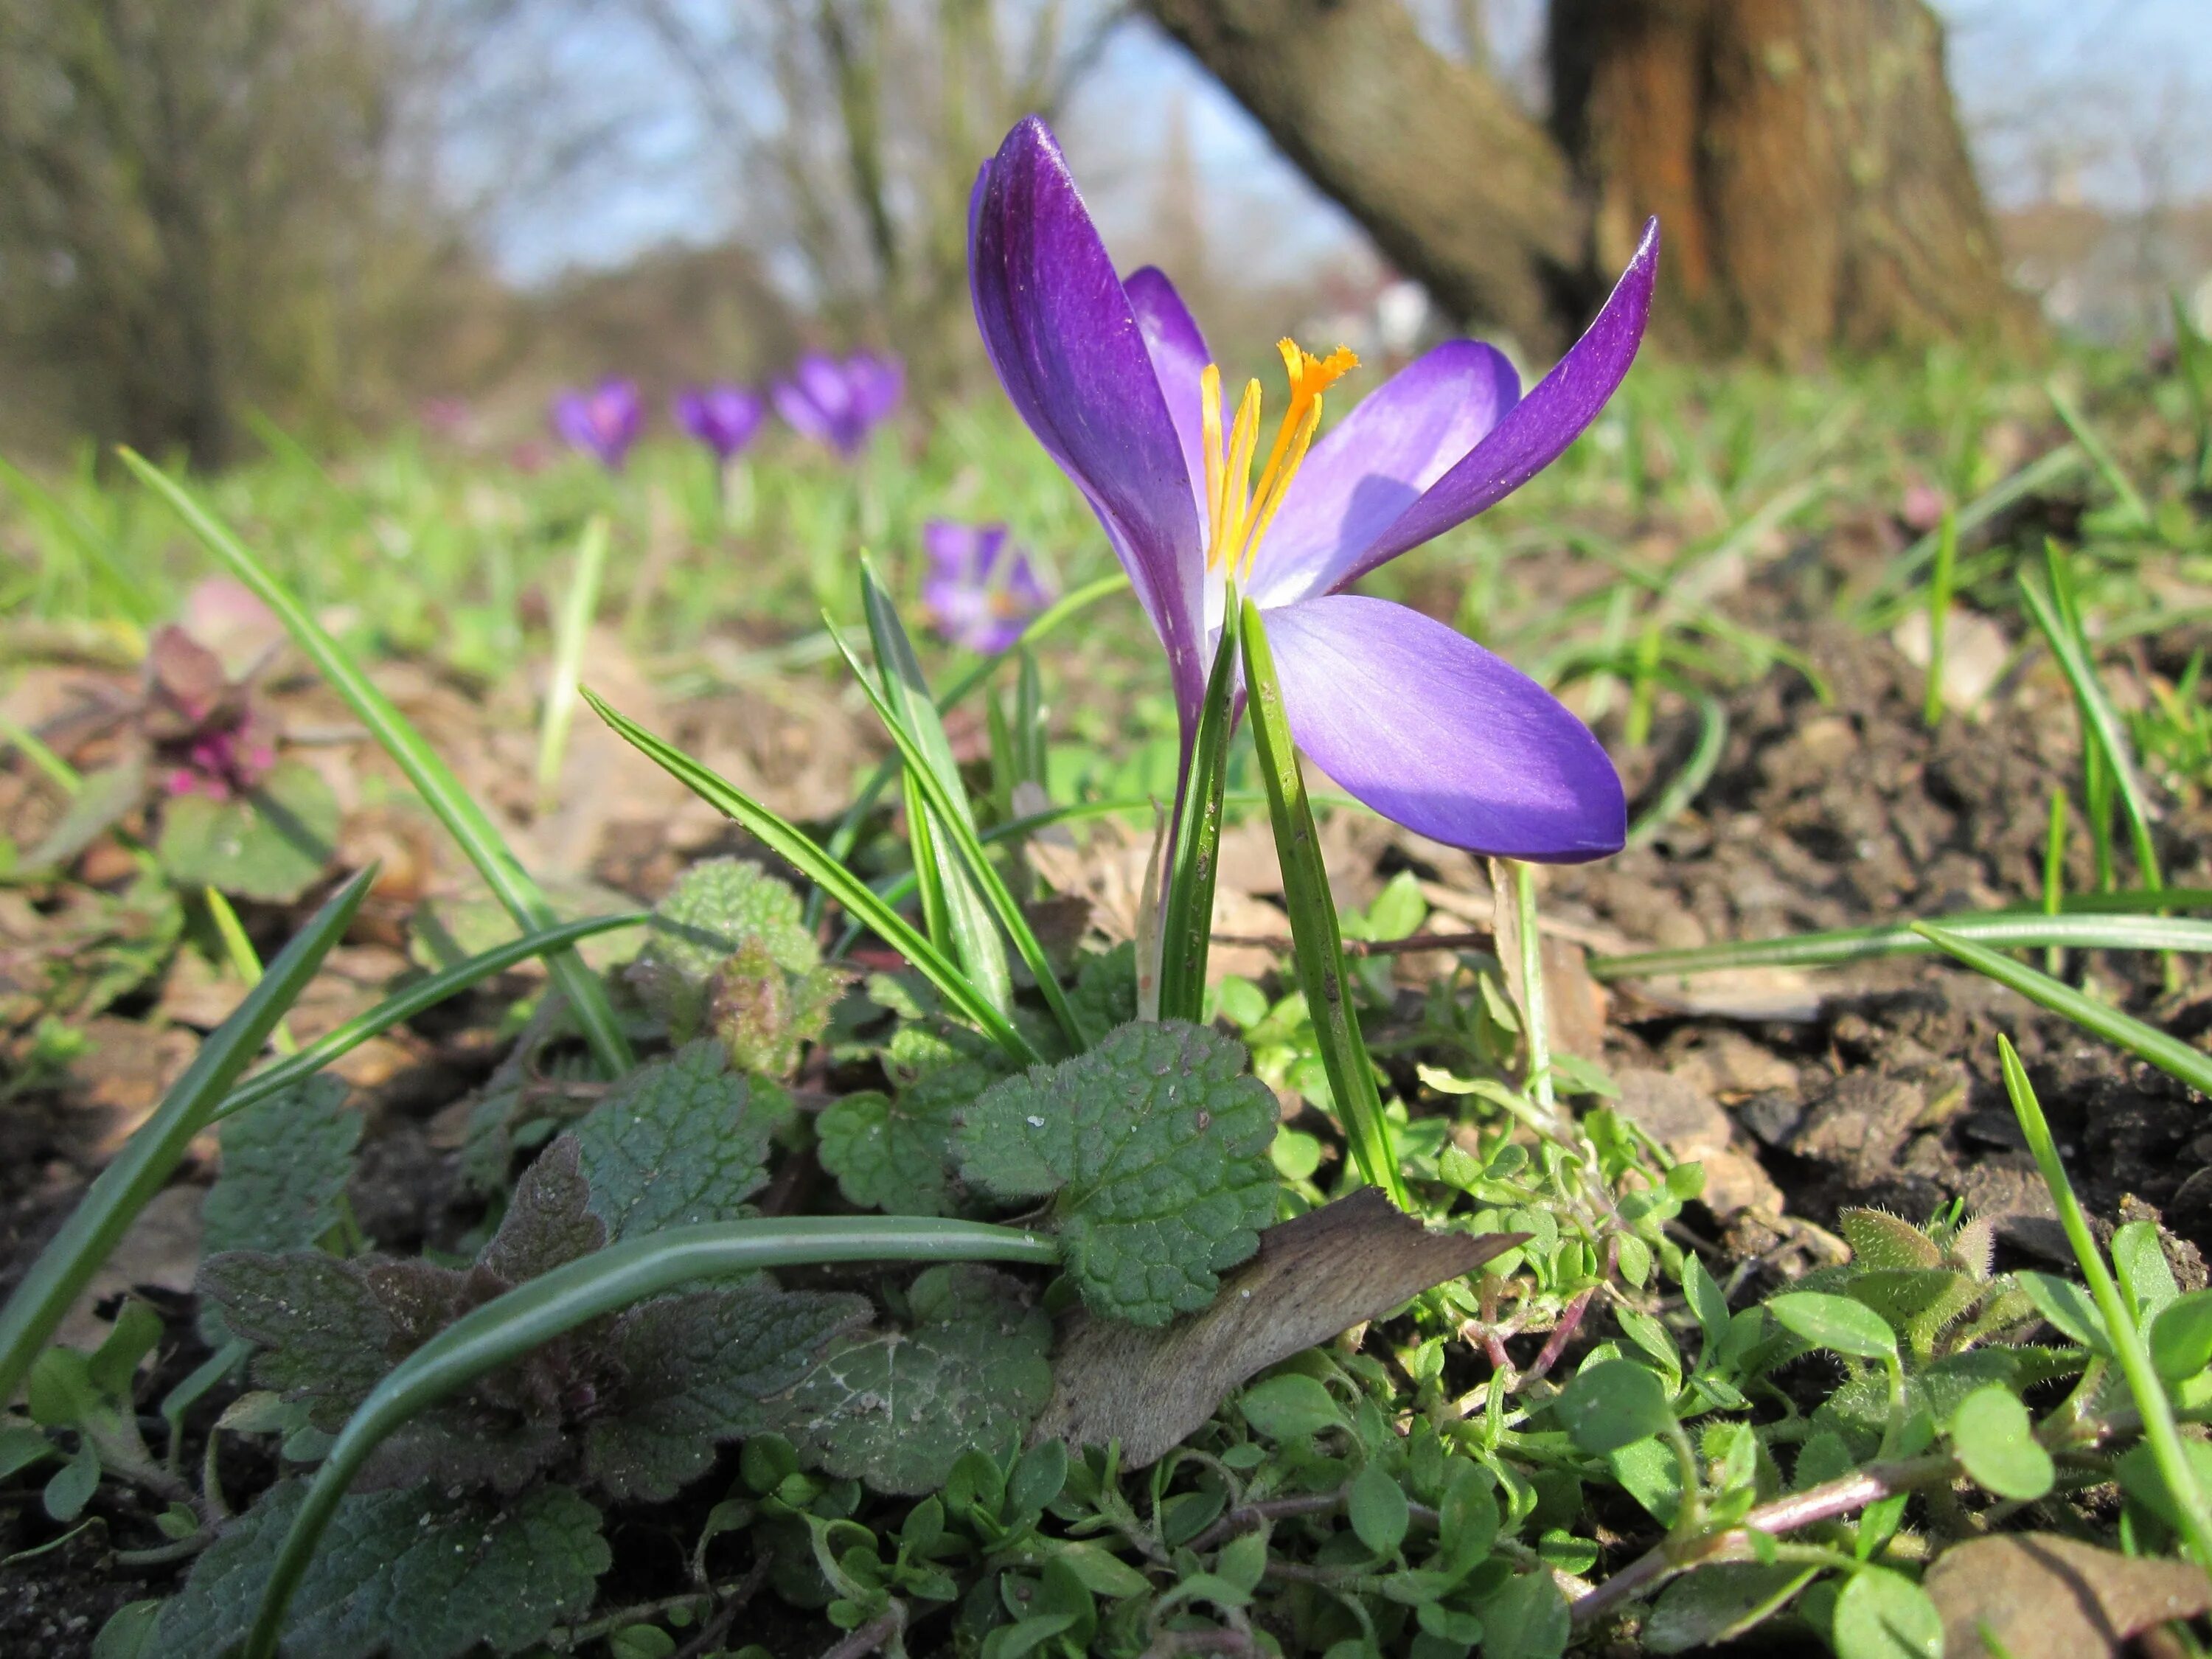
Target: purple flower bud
x=839 y=403
x=980 y=592
x=722 y=416
x=604 y=421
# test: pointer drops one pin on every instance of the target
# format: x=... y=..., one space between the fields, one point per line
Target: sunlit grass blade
x=809 y=858
x=944 y=805
x=2074 y=930
x=148 y=1159
x=2101 y=723
x=1696 y=772
x=2116 y=479
x=2169 y=1054
x=2054 y=875
x=63 y=522
x=906 y=704
x=243 y=960
x=578 y=606
x=1047 y=621
x=2159 y=1430
x=1319 y=944
x=1187 y=927
x=1895 y=592
x=464 y=818
x=605 y=1282
x=405 y=1005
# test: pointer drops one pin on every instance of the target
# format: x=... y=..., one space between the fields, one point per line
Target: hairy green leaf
x=286 y=1161
x=1153 y=1148
x=676 y=1142
x=897 y=1407
x=719 y=909
x=414 y=1574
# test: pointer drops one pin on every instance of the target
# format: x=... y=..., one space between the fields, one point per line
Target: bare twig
x=871 y=1635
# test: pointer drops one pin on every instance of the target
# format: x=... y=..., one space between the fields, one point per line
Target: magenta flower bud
x=604 y=421
x=980 y=592
x=722 y=416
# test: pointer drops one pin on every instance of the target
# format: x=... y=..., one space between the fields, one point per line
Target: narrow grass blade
x=465 y=820
x=148 y=1159
x=2190 y=351
x=906 y=704
x=577 y=609
x=1319 y=944
x=605 y=1282
x=403 y=1005
x=2116 y=479
x=2054 y=875
x=944 y=806
x=2150 y=1397
x=2170 y=1054
x=843 y=838
x=2100 y=724
x=2074 y=930
x=928 y=870
x=1535 y=1016
x=811 y=862
x=1895 y=594
x=1696 y=772
x=243 y=959
x=68 y=524
x=1187 y=928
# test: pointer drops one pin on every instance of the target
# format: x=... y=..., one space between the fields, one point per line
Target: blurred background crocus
x=980 y=592
x=604 y=421
x=839 y=401
x=723 y=417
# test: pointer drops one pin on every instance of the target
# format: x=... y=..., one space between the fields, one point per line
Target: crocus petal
x=1059 y=328
x=1435 y=733
x=952 y=547
x=1541 y=426
x=1373 y=465
x=1179 y=356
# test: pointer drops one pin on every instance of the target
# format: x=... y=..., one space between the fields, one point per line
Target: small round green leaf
x=1286 y=1407
x=1885 y=1615
x=2181 y=1337
x=1837 y=1323
x=1378 y=1510
x=1615 y=1403
x=1996 y=1443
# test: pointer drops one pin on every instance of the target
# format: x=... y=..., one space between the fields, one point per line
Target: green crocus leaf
x=414 y=1573
x=898 y=1407
x=676 y=1143
x=1154 y=1149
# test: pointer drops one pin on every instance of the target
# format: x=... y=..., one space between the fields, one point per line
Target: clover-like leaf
x=1153 y=1148
x=415 y=1574
x=677 y=1143
x=896 y=1409
x=269 y=843
x=713 y=910
x=695 y=1368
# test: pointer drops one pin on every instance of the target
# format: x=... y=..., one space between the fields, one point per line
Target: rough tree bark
x=1455 y=182
x=1803 y=155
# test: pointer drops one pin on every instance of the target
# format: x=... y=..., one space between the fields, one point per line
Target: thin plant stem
x=1535 y=1014
x=245 y=960
x=577 y=609
x=1939 y=618
x=2160 y=1432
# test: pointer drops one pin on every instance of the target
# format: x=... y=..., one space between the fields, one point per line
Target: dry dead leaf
x=2044 y=1596
x=162 y=1250
x=1314 y=1278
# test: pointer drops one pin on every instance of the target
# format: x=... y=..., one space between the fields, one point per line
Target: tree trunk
x=1802 y=155
x=1805 y=159
x=1456 y=184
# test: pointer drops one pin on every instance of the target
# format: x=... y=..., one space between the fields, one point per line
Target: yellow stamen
x=1239 y=513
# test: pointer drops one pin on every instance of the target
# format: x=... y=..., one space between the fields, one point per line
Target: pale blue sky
x=2113 y=93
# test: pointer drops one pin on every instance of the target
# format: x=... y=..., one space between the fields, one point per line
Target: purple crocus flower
x=723 y=417
x=980 y=592
x=1116 y=380
x=604 y=421
x=839 y=402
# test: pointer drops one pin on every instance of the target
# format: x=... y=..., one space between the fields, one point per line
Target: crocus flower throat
x=1237 y=512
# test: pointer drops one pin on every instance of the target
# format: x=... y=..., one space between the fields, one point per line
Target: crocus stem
x=1186 y=924
x=1320 y=949
x=1535 y=1016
